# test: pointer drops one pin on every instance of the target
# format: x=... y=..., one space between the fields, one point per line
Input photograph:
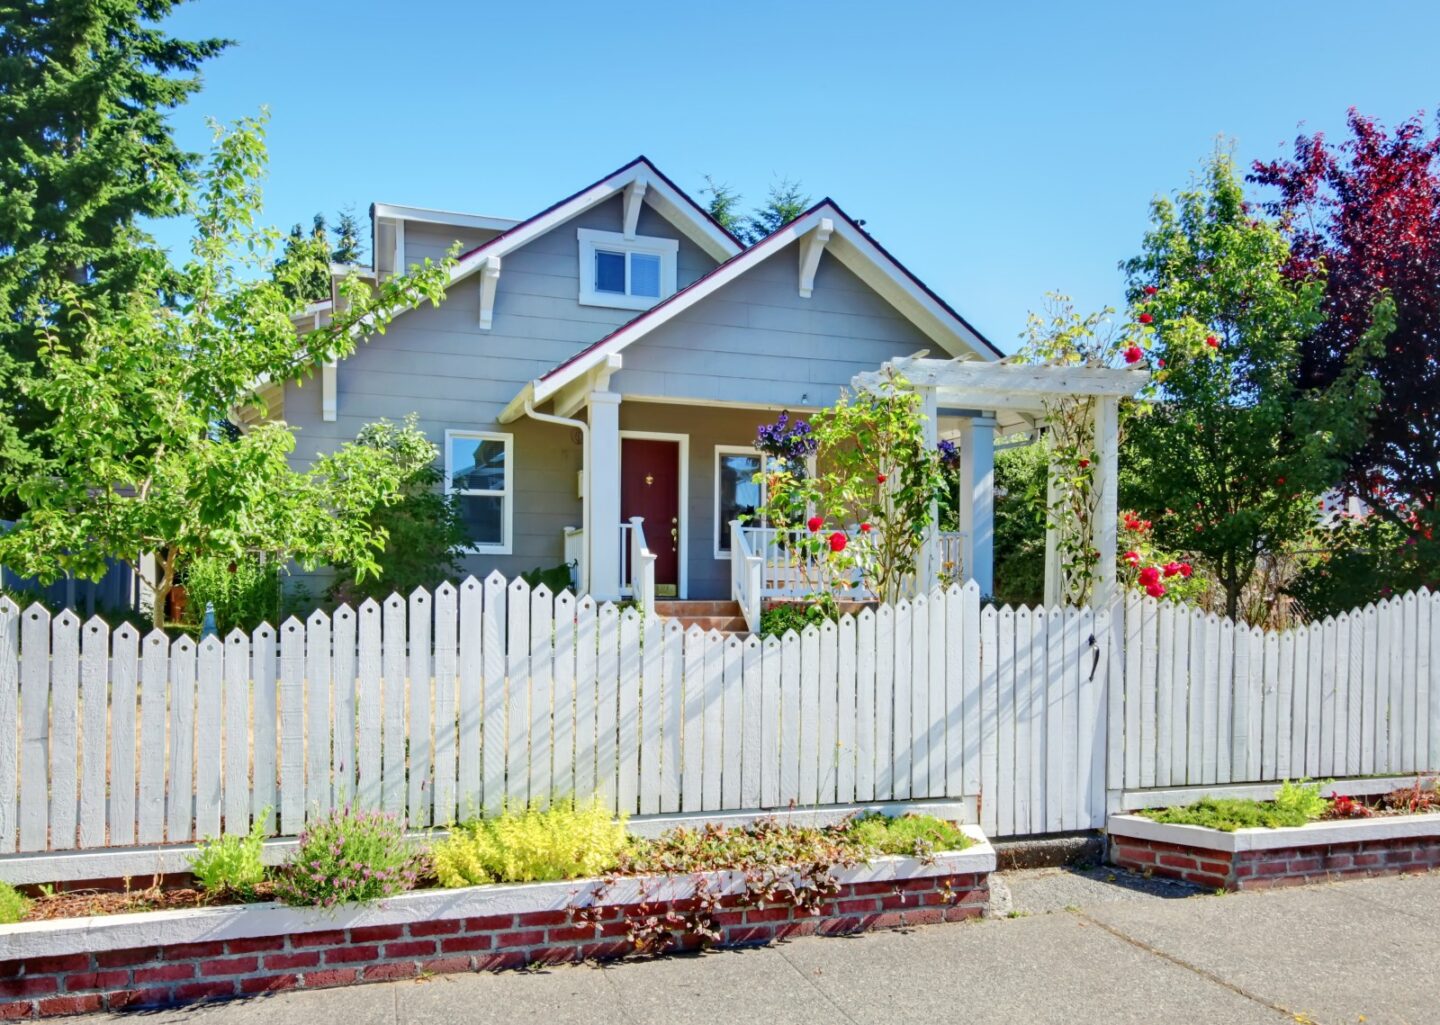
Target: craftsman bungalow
x=597 y=373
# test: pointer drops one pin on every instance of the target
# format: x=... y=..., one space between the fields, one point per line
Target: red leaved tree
x=1366 y=211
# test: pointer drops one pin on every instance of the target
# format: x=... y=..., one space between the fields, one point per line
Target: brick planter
x=1253 y=859
x=175 y=957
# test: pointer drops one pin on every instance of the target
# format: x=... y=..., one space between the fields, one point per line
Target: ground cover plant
x=565 y=841
x=1294 y=805
x=231 y=864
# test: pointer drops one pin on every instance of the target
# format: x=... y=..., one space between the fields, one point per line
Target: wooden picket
x=439 y=707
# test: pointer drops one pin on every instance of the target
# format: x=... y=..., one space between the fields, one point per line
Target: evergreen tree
x=86 y=151
x=785 y=202
x=303 y=269
x=348 y=234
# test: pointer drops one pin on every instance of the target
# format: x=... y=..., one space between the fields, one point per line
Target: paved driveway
x=1117 y=950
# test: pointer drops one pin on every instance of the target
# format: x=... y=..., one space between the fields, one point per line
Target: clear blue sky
x=999 y=150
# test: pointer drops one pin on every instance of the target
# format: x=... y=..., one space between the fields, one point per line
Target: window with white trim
x=479 y=470
x=631 y=273
x=737 y=493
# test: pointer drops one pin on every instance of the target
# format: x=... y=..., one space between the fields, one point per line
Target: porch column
x=977 y=500
x=1107 y=512
x=604 y=483
x=929 y=562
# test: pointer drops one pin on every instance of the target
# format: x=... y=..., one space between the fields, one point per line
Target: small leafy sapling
x=232 y=865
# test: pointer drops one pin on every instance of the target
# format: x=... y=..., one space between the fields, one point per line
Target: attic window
x=629 y=273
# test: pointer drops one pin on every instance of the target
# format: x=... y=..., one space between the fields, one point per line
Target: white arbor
x=972 y=402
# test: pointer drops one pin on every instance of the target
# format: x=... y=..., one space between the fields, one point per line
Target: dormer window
x=629 y=273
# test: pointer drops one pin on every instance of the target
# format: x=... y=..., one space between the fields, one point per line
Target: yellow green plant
x=13 y=904
x=567 y=840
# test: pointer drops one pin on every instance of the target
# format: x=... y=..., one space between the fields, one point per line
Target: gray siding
x=435 y=362
x=434 y=240
x=755 y=341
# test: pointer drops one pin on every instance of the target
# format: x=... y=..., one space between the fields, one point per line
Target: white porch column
x=604 y=497
x=926 y=569
x=1107 y=469
x=977 y=500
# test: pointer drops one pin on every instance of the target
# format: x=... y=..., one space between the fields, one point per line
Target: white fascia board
x=424 y=215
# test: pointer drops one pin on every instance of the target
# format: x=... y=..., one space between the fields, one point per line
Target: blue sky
x=1000 y=150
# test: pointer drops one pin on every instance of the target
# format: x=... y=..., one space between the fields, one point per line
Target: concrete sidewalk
x=1120 y=950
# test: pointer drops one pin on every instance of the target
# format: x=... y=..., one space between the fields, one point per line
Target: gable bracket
x=634 y=199
x=328 y=387
x=489 y=278
x=811 y=246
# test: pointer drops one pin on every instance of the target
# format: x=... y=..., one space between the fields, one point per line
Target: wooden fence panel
x=64 y=738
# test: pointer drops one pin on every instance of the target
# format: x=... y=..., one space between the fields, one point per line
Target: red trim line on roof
x=741 y=255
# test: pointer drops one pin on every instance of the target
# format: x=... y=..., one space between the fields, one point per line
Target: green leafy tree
x=86 y=151
x=424 y=530
x=1230 y=461
x=723 y=205
x=135 y=465
x=303 y=269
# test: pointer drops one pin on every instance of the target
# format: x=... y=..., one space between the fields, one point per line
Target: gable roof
x=662 y=193
x=848 y=242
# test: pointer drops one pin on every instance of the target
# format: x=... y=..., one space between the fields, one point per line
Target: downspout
x=550 y=418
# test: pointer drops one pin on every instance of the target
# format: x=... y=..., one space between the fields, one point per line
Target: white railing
x=637 y=565
x=787 y=571
x=952 y=556
x=575 y=555
x=746 y=576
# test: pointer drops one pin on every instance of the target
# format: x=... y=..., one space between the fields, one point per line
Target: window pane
x=609 y=271
x=645 y=274
x=739 y=494
x=477 y=464
x=483 y=517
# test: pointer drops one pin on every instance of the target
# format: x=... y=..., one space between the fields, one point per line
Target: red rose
x=1156 y=590
x=879 y=478
x=1185 y=569
x=865 y=528
x=1133 y=558
x=1151 y=289
x=814 y=523
x=1150 y=575
x=1212 y=341
x=1084 y=463
x=1279 y=480
x=1134 y=354
x=1171 y=568
x=1160 y=363
x=838 y=541
x=1145 y=318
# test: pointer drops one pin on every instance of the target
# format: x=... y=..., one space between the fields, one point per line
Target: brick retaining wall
x=166 y=976
x=1281 y=866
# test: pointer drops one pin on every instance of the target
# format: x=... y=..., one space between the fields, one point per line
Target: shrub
x=245 y=591
x=564 y=841
x=797 y=615
x=13 y=904
x=914 y=835
x=350 y=856
x=231 y=864
x=1295 y=805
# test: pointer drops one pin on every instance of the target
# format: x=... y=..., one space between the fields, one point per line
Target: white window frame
x=507 y=511
x=731 y=450
x=668 y=249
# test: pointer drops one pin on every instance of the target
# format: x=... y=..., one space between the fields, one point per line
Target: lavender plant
x=350 y=856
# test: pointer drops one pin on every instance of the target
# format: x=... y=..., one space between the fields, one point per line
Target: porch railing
x=574 y=556
x=952 y=556
x=637 y=565
x=746 y=576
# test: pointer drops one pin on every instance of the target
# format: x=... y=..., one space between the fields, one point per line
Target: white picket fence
x=492 y=694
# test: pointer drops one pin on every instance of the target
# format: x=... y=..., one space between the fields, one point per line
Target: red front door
x=650 y=488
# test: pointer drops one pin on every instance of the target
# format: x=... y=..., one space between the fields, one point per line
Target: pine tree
x=85 y=87
x=348 y=233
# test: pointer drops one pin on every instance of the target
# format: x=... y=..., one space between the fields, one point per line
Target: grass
x=1295 y=805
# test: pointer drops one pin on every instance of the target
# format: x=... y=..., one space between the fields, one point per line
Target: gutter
x=584 y=428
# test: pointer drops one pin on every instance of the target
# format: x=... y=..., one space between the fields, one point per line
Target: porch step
x=724 y=616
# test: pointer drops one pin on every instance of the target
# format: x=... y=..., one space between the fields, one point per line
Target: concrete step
x=725 y=624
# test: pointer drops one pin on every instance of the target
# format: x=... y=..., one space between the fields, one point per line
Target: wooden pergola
x=973 y=401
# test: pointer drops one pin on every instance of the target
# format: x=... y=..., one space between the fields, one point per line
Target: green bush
x=350 y=856
x=245 y=591
x=231 y=864
x=564 y=841
x=913 y=835
x=13 y=904
x=1295 y=805
x=555 y=579
x=793 y=615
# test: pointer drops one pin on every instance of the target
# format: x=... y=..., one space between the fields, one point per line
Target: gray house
x=597 y=374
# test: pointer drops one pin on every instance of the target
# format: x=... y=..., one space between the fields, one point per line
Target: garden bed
x=1259 y=857
x=163 y=958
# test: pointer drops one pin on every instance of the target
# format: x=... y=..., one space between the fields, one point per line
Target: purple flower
x=786 y=440
x=949 y=454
